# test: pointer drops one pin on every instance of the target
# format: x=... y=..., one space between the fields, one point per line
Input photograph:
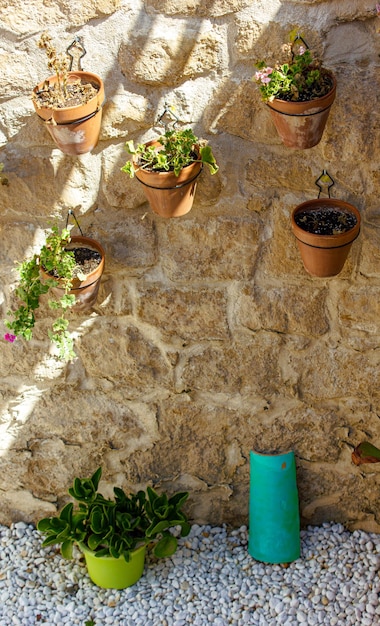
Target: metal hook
x=174 y=119
x=325 y=179
x=78 y=45
x=298 y=38
x=71 y=212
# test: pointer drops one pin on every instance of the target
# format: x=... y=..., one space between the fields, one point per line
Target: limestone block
x=24 y=18
x=333 y=371
x=220 y=248
x=125 y=113
x=22 y=506
x=284 y=309
x=45 y=184
x=196 y=441
x=238 y=110
x=359 y=309
x=189 y=314
x=118 y=188
x=348 y=43
x=212 y=8
x=134 y=246
x=288 y=172
x=370 y=259
x=351 y=127
x=151 y=58
x=126 y=355
x=247 y=365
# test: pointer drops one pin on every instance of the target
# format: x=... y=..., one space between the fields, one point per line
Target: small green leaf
x=166 y=546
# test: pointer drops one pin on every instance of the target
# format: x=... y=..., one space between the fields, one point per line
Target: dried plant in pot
x=299 y=94
x=325 y=229
x=113 y=534
x=69 y=270
x=69 y=102
x=168 y=168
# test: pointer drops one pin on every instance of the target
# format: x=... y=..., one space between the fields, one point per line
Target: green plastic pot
x=274 y=525
x=111 y=573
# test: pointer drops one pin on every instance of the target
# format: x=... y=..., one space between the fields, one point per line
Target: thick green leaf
x=166 y=546
x=67 y=549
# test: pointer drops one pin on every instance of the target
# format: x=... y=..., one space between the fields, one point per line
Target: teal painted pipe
x=274 y=524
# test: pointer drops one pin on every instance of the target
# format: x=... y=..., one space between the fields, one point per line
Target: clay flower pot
x=301 y=124
x=75 y=129
x=169 y=195
x=85 y=291
x=325 y=255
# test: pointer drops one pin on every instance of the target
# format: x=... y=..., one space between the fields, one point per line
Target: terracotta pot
x=301 y=124
x=86 y=291
x=75 y=130
x=169 y=195
x=325 y=255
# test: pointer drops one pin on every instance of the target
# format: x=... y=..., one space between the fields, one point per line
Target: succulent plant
x=115 y=527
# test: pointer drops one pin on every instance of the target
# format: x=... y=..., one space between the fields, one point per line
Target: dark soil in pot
x=87 y=261
x=325 y=221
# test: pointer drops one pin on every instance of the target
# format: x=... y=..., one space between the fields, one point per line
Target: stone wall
x=208 y=339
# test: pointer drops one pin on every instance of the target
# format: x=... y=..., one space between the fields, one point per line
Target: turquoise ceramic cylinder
x=274 y=525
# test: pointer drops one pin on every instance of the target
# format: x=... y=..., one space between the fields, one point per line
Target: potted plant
x=69 y=102
x=325 y=229
x=113 y=533
x=299 y=94
x=70 y=269
x=168 y=168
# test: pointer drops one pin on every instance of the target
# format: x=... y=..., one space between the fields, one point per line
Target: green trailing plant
x=115 y=527
x=300 y=78
x=60 y=264
x=365 y=452
x=173 y=151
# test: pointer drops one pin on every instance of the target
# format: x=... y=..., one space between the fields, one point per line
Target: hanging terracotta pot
x=75 y=129
x=110 y=573
x=274 y=524
x=86 y=290
x=324 y=255
x=169 y=195
x=301 y=124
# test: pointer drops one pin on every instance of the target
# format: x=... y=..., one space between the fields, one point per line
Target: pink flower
x=9 y=337
x=302 y=50
x=378 y=9
x=263 y=76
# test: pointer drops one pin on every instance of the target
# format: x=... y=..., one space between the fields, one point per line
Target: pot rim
x=326 y=240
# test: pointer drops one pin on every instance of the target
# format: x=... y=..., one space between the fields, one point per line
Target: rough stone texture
x=208 y=338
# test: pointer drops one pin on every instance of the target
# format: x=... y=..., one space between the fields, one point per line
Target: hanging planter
x=299 y=95
x=69 y=270
x=325 y=229
x=274 y=525
x=169 y=195
x=301 y=124
x=70 y=102
x=88 y=253
x=168 y=168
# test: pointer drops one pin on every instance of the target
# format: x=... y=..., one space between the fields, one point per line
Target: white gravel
x=210 y=580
